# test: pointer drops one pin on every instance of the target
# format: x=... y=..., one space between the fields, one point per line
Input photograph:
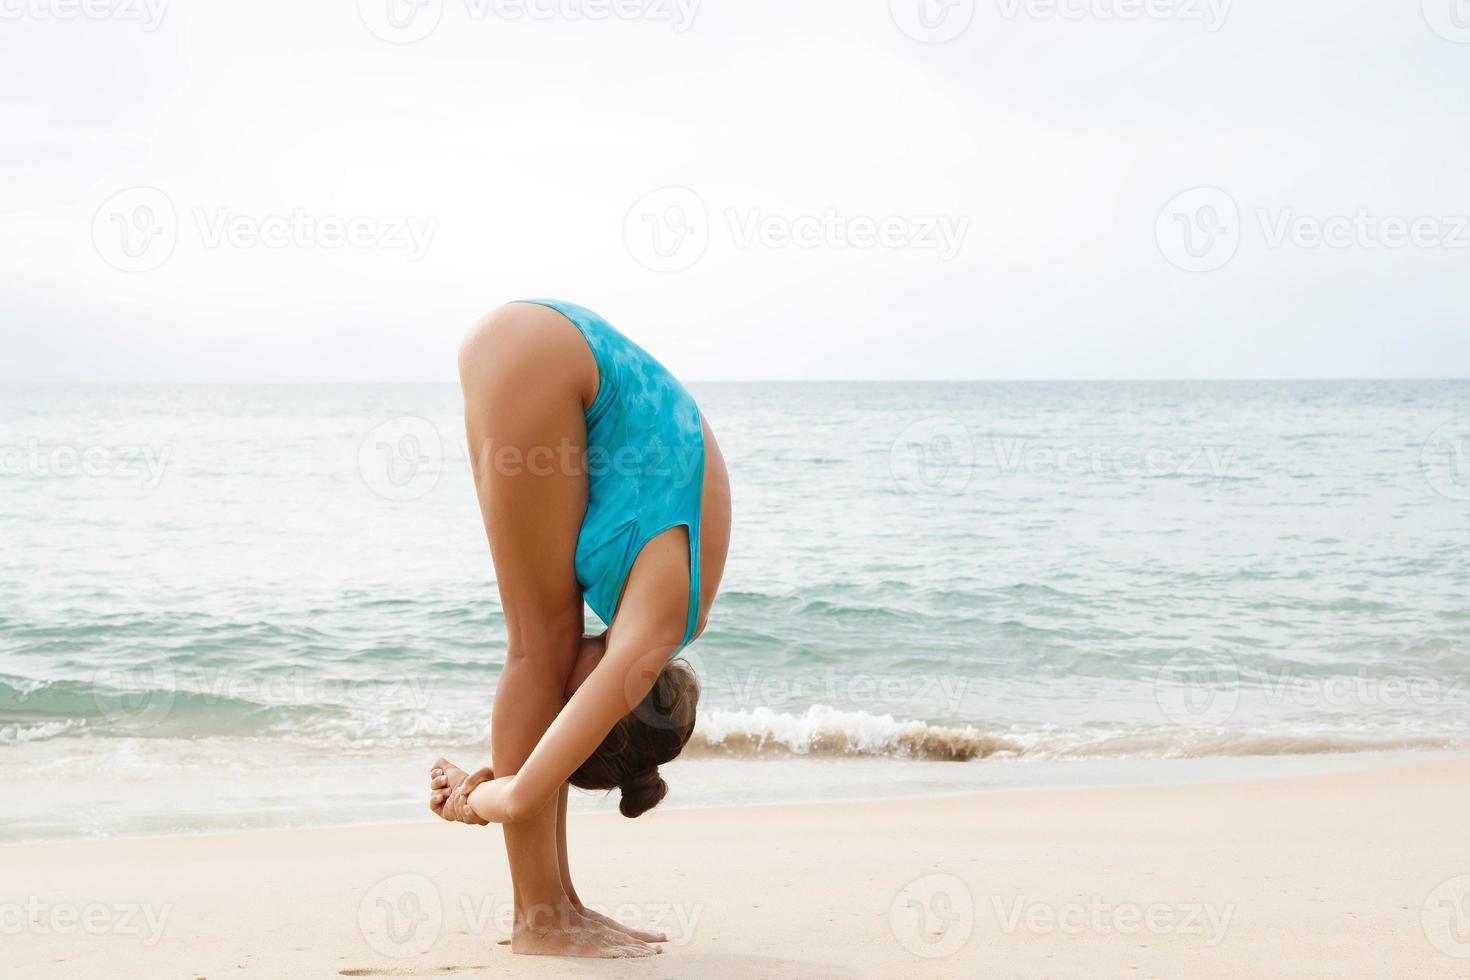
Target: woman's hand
x=457 y=807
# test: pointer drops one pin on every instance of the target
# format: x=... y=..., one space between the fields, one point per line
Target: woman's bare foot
x=641 y=935
x=575 y=934
x=449 y=788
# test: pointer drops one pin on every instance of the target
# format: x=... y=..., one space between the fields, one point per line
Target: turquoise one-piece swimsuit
x=645 y=464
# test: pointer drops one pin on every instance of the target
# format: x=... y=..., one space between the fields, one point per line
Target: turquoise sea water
x=248 y=606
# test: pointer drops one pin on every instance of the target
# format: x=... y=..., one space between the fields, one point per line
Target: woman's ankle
x=555 y=912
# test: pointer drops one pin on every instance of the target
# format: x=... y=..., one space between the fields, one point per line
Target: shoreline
x=1345 y=872
x=703 y=784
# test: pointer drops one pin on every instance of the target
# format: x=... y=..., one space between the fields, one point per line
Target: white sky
x=518 y=146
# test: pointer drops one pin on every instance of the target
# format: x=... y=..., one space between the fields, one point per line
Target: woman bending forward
x=599 y=481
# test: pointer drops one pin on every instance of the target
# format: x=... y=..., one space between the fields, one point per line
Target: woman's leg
x=527 y=376
x=564 y=856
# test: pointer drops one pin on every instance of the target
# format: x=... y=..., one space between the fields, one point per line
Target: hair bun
x=642 y=791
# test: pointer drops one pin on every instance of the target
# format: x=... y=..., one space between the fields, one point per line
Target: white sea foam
x=825 y=731
x=822 y=731
x=22 y=732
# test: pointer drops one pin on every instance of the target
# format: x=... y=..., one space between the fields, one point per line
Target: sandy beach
x=986 y=485
x=1364 y=873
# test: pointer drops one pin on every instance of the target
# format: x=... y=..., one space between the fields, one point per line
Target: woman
x=598 y=481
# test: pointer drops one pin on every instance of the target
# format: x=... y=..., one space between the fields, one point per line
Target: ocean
x=234 y=607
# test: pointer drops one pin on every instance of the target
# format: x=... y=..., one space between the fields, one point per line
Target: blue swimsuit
x=645 y=464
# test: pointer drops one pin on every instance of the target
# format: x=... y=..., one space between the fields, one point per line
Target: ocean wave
x=826 y=733
x=823 y=731
x=19 y=733
x=424 y=715
x=376 y=713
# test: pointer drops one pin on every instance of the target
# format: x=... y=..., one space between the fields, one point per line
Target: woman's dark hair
x=645 y=738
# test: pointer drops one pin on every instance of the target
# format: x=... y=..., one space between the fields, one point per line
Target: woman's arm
x=618 y=684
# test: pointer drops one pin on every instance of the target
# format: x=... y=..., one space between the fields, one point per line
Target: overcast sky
x=309 y=191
